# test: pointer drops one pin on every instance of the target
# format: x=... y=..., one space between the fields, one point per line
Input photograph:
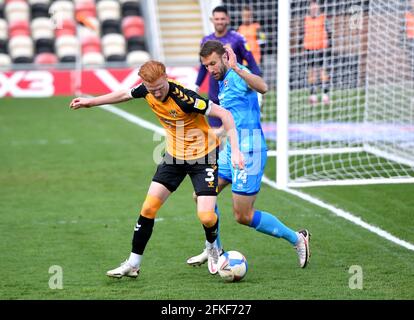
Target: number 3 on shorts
x=210 y=175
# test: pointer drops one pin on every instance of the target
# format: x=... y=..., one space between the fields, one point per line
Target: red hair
x=151 y=71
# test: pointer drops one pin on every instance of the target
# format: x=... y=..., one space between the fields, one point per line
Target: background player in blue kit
x=222 y=33
x=238 y=89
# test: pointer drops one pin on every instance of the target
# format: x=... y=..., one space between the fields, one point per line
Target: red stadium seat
x=91 y=44
x=133 y=26
x=85 y=9
x=67 y=28
x=19 y=28
x=46 y=58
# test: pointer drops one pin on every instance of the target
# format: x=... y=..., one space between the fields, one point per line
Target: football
x=232 y=266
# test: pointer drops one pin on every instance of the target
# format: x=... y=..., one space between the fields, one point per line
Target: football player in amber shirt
x=191 y=149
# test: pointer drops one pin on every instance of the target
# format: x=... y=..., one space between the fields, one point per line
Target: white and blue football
x=232 y=266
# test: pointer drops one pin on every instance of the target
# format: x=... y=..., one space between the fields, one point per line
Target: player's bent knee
x=207 y=218
x=242 y=216
x=242 y=220
x=151 y=206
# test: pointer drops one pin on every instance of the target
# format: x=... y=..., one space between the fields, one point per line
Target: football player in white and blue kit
x=238 y=89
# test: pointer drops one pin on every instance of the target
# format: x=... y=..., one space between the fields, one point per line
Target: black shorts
x=203 y=173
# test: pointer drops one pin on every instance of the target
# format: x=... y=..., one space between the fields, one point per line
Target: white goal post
x=345 y=107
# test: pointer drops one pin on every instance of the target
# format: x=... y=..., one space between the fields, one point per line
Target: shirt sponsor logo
x=200 y=104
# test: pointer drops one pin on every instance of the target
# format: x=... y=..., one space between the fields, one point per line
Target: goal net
x=346 y=111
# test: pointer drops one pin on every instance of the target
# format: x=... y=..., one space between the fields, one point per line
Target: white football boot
x=302 y=247
x=199 y=259
x=125 y=269
x=213 y=254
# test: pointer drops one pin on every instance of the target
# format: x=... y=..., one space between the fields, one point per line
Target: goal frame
x=282 y=152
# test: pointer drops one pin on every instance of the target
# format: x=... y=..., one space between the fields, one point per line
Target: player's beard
x=221 y=29
x=223 y=71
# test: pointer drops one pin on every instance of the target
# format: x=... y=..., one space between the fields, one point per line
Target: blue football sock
x=266 y=223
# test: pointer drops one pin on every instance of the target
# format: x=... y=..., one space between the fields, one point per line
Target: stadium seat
x=84 y=32
x=133 y=26
x=91 y=44
x=130 y=8
x=114 y=47
x=19 y=28
x=39 y=10
x=5 y=60
x=46 y=58
x=42 y=28
x=62 y=10
x=93 y=59
x=110 y=26
x=3 y=46
x=44 y=45
x=135 y=58
x=85 y=13
x=32 y=2
x=108 y=10
x=67 y=27
x=85 y=8
x=136 y=44
x=3 y=29
x=21 y=49
x=1 y=9
x=67 y=48
x=17 y=10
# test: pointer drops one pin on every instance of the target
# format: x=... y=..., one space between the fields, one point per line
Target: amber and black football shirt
x=182 y=114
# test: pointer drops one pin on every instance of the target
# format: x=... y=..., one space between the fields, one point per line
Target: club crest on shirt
x=173 y=113
x=226 y=82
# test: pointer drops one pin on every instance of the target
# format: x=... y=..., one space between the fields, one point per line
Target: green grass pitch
x=71 y=187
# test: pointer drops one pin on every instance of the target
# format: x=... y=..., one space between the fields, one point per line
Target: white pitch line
x=336 y=211
x=343 y=214
x=134 y=119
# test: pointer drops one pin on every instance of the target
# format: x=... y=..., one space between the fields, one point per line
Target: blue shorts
x=246 y=181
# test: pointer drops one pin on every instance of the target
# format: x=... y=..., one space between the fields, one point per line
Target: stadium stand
x=46 y=58
x=1 y=9
x=48 y=32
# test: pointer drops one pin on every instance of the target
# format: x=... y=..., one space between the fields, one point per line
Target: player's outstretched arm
x=113 y=97
x=254 y=81
x=237 y=159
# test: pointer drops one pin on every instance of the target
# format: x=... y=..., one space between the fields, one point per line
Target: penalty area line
x=336 y=211
x=343 y=214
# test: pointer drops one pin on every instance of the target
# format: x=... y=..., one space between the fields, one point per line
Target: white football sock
x=135 y=260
